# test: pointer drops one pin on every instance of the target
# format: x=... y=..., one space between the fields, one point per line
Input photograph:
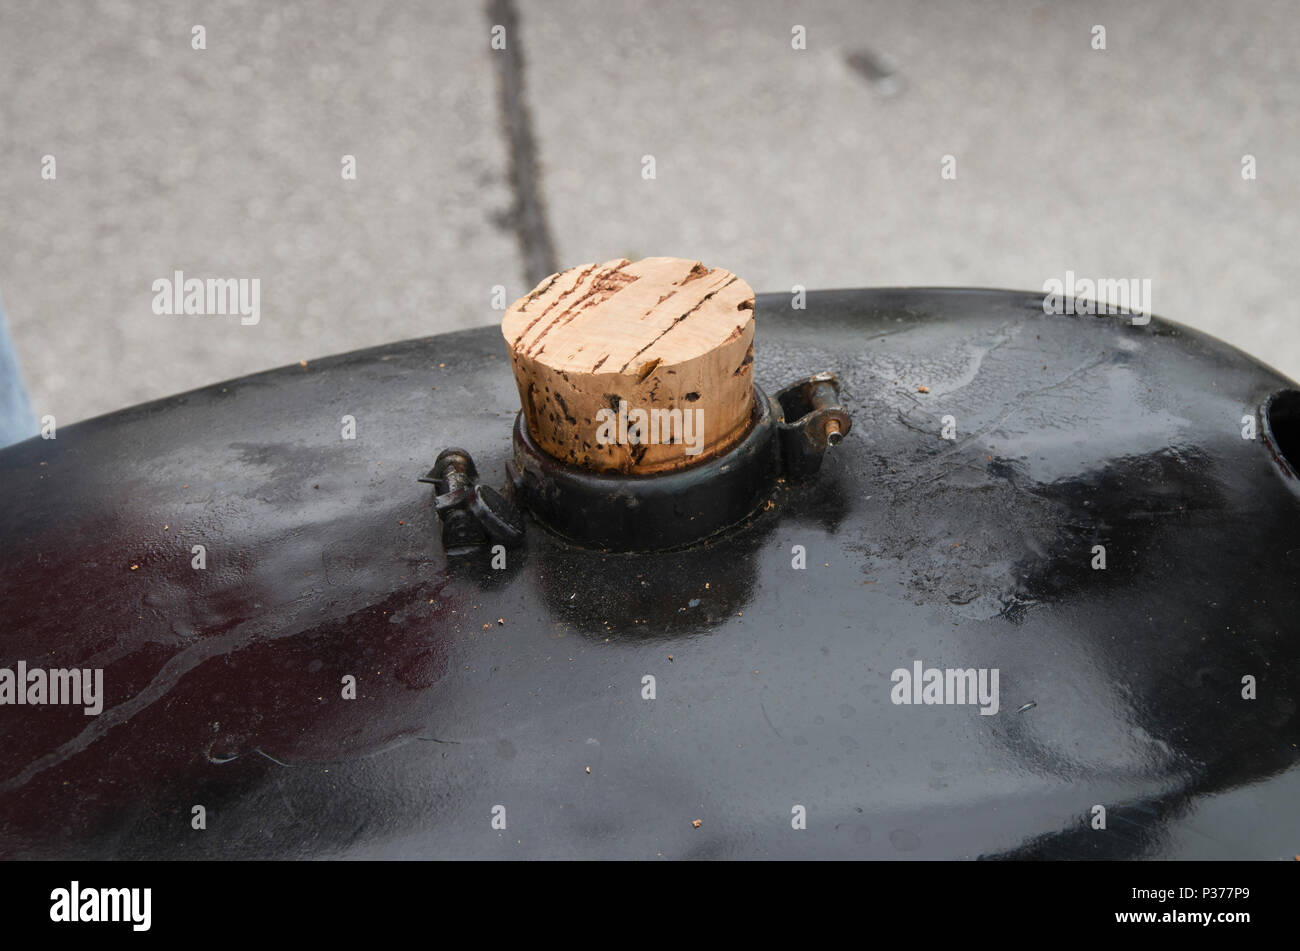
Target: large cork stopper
x=635 y=368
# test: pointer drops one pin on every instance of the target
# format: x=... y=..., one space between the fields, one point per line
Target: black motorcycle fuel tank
x=1098 y=520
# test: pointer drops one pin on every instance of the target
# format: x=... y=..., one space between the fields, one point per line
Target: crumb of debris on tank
x=165 y=527
x=696 y=823
x=923 y=389
x=501 y=620
x=135 y=567
x=589 y=769
x=670 y=656
x=487 y=627
x=441 y=365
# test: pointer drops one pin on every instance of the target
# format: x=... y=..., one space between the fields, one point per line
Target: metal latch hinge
x=810 y=420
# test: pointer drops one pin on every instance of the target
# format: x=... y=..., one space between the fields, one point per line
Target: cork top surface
x=620 y=317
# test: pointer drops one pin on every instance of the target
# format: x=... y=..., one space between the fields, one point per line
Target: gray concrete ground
x=818 y=166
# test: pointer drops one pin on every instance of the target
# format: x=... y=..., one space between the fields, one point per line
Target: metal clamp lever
x=471 y=513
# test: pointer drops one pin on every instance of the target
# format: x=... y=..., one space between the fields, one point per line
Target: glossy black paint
x=479 y=687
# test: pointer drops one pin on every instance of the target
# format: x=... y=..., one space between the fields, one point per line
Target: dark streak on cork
x=568 y=418
x=696 y=272
x=703 y=300
x=532 y=323
x=538 y=291
x=606 y=285
x=647 y=368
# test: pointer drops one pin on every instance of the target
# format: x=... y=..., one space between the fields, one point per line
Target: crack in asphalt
x=527 y=215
